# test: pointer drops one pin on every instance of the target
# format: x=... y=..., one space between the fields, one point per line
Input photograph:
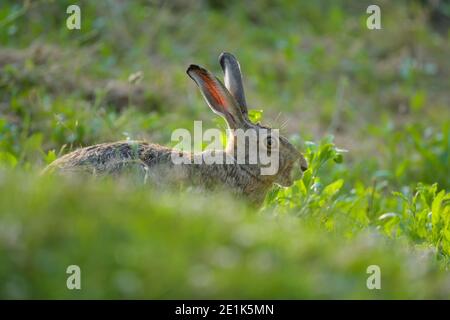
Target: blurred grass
x=312 y=67
x=137 y=243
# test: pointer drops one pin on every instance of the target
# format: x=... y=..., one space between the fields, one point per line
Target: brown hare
x=156 y=164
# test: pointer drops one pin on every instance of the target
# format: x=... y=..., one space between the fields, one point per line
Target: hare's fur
x=154 y=163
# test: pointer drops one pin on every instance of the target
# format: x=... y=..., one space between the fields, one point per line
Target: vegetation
x=370 y=110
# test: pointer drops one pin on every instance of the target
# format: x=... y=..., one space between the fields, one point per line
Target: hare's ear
x=233 y=79
x=217 y=96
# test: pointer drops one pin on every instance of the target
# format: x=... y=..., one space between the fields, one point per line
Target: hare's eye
x=270 y=143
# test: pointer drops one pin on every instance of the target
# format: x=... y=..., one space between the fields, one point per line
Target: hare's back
x=111 y=158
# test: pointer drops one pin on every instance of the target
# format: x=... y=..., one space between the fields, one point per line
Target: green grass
x=132 y=242
x=368 y=108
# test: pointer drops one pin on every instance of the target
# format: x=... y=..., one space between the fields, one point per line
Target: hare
x=156 y=165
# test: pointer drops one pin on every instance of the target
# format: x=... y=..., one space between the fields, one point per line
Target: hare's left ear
x=233 y=79
x=217 y=96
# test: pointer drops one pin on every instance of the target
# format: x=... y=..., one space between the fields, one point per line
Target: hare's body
x=114 y=158
x=159 y=165
x=152 y=164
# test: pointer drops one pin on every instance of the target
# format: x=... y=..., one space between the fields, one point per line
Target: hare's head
x=269 y=156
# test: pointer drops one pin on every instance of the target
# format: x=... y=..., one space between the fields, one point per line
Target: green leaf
x=307 y=178
x=338 y=158
x=333 y=188
x=255 y=115
x=436 y=208
x=50 y=157
x=301 y=187
x=8 y=159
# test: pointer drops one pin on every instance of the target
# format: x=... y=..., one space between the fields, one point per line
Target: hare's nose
x=303 y=164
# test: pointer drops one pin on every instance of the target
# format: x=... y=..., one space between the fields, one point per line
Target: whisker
x=284 y=124
x=277 y=117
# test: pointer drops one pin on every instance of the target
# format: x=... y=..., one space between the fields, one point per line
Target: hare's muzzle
x=303 y=164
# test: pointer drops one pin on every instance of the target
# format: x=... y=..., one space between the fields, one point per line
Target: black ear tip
x=224 y=56
x=192 y=67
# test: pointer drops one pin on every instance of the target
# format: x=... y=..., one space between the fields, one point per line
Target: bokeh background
x=310 y=67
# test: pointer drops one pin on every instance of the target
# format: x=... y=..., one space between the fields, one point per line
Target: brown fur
x=153 y=162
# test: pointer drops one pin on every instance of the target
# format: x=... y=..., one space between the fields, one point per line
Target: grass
x=368 y=108
x=137 y=243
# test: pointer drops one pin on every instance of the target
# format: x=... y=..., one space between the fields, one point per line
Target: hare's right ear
x=233 y=79
x=217 y=96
